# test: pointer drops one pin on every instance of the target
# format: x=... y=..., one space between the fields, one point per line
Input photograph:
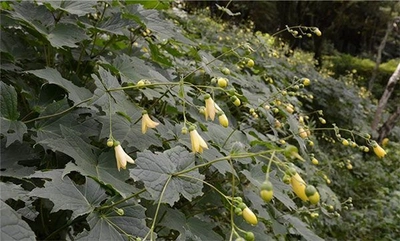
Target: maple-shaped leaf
x=66 y=195
x=157 y=172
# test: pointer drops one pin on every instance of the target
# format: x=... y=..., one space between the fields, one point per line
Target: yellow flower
x=121 y=156
x=210 y=107
x=303 y=133
x=249 y=216
x=379 y=151
x=385 y=141
x=299 y=186
x=317 y=32
x=197 y=141
x=147 y=122
x=223 y=120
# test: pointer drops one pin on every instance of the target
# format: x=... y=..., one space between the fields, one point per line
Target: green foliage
x=343 y=64
x=76 y=80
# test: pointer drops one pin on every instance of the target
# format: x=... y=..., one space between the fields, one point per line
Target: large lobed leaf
x=156 y=171
x=66 y=195
x=12 y=225
x=101 y=167
x=110 y=225
x=52 y=76
x=10 y=126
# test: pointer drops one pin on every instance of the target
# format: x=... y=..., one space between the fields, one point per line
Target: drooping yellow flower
x=379 y=151
x=210 y=107
x=147 y=122
x=223 y=120
x=249 y=216
x=299 y=186
x=198 y=143
x=121 y=156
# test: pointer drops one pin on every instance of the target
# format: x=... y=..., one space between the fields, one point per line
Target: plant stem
x=57 y=114
x=151 y=231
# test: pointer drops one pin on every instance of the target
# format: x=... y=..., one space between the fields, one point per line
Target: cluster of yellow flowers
x=121 y=156
x=211 y=109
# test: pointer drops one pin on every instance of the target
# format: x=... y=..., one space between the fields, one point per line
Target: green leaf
x=105 y=171
x=201 y=230
x=151 y=4
x=117 y=25
x=10 y=127
x=192 y=228
x=156 y=171
x=8 y=102
x=79 y=8
x=225 y=137
x=302 y=228
x=76 y=94
x=49 y=128
x=67 y=35
x=102 y=168
x=160 y=27
x=111 y=226
x=13 y=227
x=38 y=18
x=66 y=195
x=13 y=130
x=10 y=190
x=103 y=98
x=10 y=156
x=131 y=133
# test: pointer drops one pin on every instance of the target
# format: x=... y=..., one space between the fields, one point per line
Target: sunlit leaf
x=79 y=8
x=13 y=227
x=153 y=20
x=156 y=171
x=10 y=190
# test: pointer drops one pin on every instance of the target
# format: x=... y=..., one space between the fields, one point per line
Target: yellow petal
x=379 y=151
x=223 y=120
x=202 y=143
x=120 y=156
x=198 y=142
x=129 y=159
x=299 y=187
x=194 y=140
x=144 y=127
x=210 y=109
x=148 y=123
x=249 y=216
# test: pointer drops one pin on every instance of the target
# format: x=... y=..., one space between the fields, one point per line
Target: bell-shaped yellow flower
x=210 y=107
x=121 y=156
x=223 y=120
x=299 y=186
x=379 y=151
x=249 y=216
x=147 y=122
x=198 y=143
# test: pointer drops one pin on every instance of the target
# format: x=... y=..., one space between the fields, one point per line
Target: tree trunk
x=379 y=55
x=388 y=125
x=385 y=97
